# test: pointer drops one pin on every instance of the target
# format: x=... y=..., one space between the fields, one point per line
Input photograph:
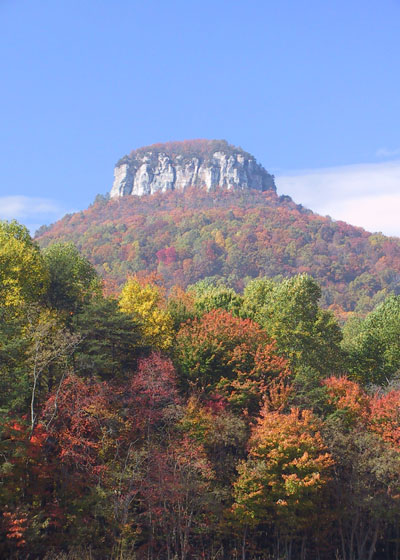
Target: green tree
x=73 y=280
x=209 y=295
x=34 y=353
x=289 y=312
x=256 y=294
x=110 y=340
x=373 y=344
x=14 y=382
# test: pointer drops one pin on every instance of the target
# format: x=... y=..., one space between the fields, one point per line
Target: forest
x=158 y=418
x=235 y=236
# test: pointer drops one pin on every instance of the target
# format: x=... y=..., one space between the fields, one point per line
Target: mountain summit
x=192 y=163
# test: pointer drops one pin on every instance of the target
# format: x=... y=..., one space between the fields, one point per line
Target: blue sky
x=310 y=88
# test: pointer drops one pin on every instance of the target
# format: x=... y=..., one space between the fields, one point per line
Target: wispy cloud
x=387 y=153
x=31 y=211
x=366 y=195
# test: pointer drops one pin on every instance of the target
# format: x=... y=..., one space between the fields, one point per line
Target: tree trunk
x=303 y=549
x=244 y=544
x=373 y=543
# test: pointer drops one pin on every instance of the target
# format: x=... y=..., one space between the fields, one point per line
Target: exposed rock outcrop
x=195 y=163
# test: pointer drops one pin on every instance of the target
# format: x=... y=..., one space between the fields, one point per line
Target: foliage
x=180 y=306
x=34 y=350
x=289 y=312
x=365 y=488
x=234 y=236
x=282 y=480
x=204 y=424
x=198 y=148
x=146 y=303
x=23 y=274
x=222 y=433
x=226 y=355
x=209 y=295
x=374 y=343
x=73 y=280
x=109 y=340
x=155 y=388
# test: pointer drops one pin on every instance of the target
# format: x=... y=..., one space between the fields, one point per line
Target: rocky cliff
x=194 y=163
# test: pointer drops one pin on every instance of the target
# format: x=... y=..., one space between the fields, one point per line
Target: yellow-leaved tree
x=146 y=301
x=23 y=273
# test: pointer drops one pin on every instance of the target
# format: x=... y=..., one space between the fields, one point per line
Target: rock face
x=193 y=163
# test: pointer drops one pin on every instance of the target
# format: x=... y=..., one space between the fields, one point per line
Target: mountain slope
x=232 y=234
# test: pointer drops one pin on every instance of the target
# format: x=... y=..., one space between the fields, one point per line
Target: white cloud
x=366 y=195
x=24 y=206
x=31 y=211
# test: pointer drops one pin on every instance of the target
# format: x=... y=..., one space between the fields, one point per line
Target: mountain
x=195 y=209
x=194 y=163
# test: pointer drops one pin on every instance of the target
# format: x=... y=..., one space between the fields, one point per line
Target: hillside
x=231 y=234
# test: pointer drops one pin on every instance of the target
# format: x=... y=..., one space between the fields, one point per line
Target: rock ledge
x=193 y=163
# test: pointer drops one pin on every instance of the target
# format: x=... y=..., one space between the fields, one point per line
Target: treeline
x=201 y=149
x=191 y=424
x=236 y=236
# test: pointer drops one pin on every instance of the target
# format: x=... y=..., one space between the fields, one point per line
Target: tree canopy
x=198 y=423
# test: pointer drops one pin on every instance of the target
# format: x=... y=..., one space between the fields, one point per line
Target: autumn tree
x=79 y=418
x=23 y=273
x=281 y=482
x=384 y=418
x=178 y=497
x=222 y=433
x=30 y=515
x=365 y=489
x=154 y=392
x=361 y=433
x=234 y=357
x=145 y=302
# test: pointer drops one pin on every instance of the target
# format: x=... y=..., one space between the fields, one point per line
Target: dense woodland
x=235 y=236
x=163 y=423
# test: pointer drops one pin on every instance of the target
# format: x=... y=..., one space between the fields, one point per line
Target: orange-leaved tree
x=385 y=417
x=281 y=482
x=230 y=356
